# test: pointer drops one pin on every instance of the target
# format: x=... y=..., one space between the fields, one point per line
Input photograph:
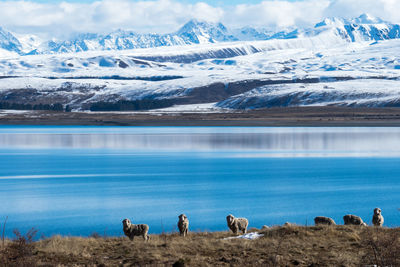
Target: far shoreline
x=271 y=117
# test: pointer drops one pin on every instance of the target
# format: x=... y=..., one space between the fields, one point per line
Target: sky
x=61 y=19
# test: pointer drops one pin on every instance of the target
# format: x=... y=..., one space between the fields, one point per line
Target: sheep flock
x=237 y=225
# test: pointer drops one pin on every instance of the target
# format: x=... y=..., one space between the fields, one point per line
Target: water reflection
x=76 y=180
x=275 y=141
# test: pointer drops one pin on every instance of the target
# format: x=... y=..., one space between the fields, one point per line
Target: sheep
x=237 y=224
x=324 y=220
x=132 y=230
x=377 y=218
x=288 y=224
x=183 y=225
x=264 y=227
x=353 y=220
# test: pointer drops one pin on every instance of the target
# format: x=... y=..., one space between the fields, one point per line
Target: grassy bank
x=280 y=246
x=294 y=116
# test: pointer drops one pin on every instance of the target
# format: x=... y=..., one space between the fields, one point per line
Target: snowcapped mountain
x=362 y=28
x=200 y=32
x=337 y=62
x=252 y=34
x=193 y=32
x=9 y=42
x=237 y=75
x=28 y=42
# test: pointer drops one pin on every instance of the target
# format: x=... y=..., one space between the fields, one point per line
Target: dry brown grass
x=383 y=246
x=20 y=251
x=280 y=246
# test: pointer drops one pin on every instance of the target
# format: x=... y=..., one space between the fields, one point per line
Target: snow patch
x=248 y=236
x=201 y=108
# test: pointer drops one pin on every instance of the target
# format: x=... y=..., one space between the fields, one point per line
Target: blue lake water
x=80 y=180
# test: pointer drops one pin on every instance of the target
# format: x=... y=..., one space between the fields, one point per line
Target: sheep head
x=377 y=211
x=182 y=217
x=126 y=223
x=230 y=218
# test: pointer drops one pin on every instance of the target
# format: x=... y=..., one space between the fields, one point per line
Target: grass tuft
x=20 y=251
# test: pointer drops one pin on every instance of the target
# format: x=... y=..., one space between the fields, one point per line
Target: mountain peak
x=195 y=24
x=332 y=21
x=9 y=42
x=198 y=32
x=367 y=19
x=337 y=22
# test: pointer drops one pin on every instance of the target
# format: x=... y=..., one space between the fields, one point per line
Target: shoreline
x=279 y=117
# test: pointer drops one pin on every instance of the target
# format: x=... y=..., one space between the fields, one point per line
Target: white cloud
x=62 y=19
x=278 y=13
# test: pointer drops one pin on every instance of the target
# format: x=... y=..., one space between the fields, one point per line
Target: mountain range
x=340 y=62
x=362 y=28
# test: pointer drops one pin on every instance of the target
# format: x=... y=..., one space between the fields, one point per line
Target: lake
x=80 y=180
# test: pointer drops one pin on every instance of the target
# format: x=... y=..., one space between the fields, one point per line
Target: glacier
x=338 y=62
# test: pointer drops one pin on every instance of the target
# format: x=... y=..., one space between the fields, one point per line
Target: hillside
x=352 y=63
x=279 y=246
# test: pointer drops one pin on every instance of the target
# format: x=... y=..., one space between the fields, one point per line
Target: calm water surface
x=80 y=180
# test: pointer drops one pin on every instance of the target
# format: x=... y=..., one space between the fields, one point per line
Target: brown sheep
x=237 y=224
x=132 y=230
x=377 y=218
x=321 y=220
x=353 y=220
x=183 y=225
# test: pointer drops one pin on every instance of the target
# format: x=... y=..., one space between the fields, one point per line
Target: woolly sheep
x=353 y=220
x=237 y=224
x=377 y=218
x=324 y=221
x=183 y=225
x=132 y=230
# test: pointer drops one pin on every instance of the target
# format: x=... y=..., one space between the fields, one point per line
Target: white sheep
x=377 y=218
x=132 y=230
x=183 y=225
x=324 y=221
x=350 y=219
x=237 y=224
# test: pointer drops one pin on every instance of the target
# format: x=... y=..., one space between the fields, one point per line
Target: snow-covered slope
x=301 y=71
x=365 y=93
x=252 y=34
x=9 y=42
x=28 y=42
x=337 y=62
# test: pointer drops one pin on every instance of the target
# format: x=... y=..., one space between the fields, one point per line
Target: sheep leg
x=146 y=237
